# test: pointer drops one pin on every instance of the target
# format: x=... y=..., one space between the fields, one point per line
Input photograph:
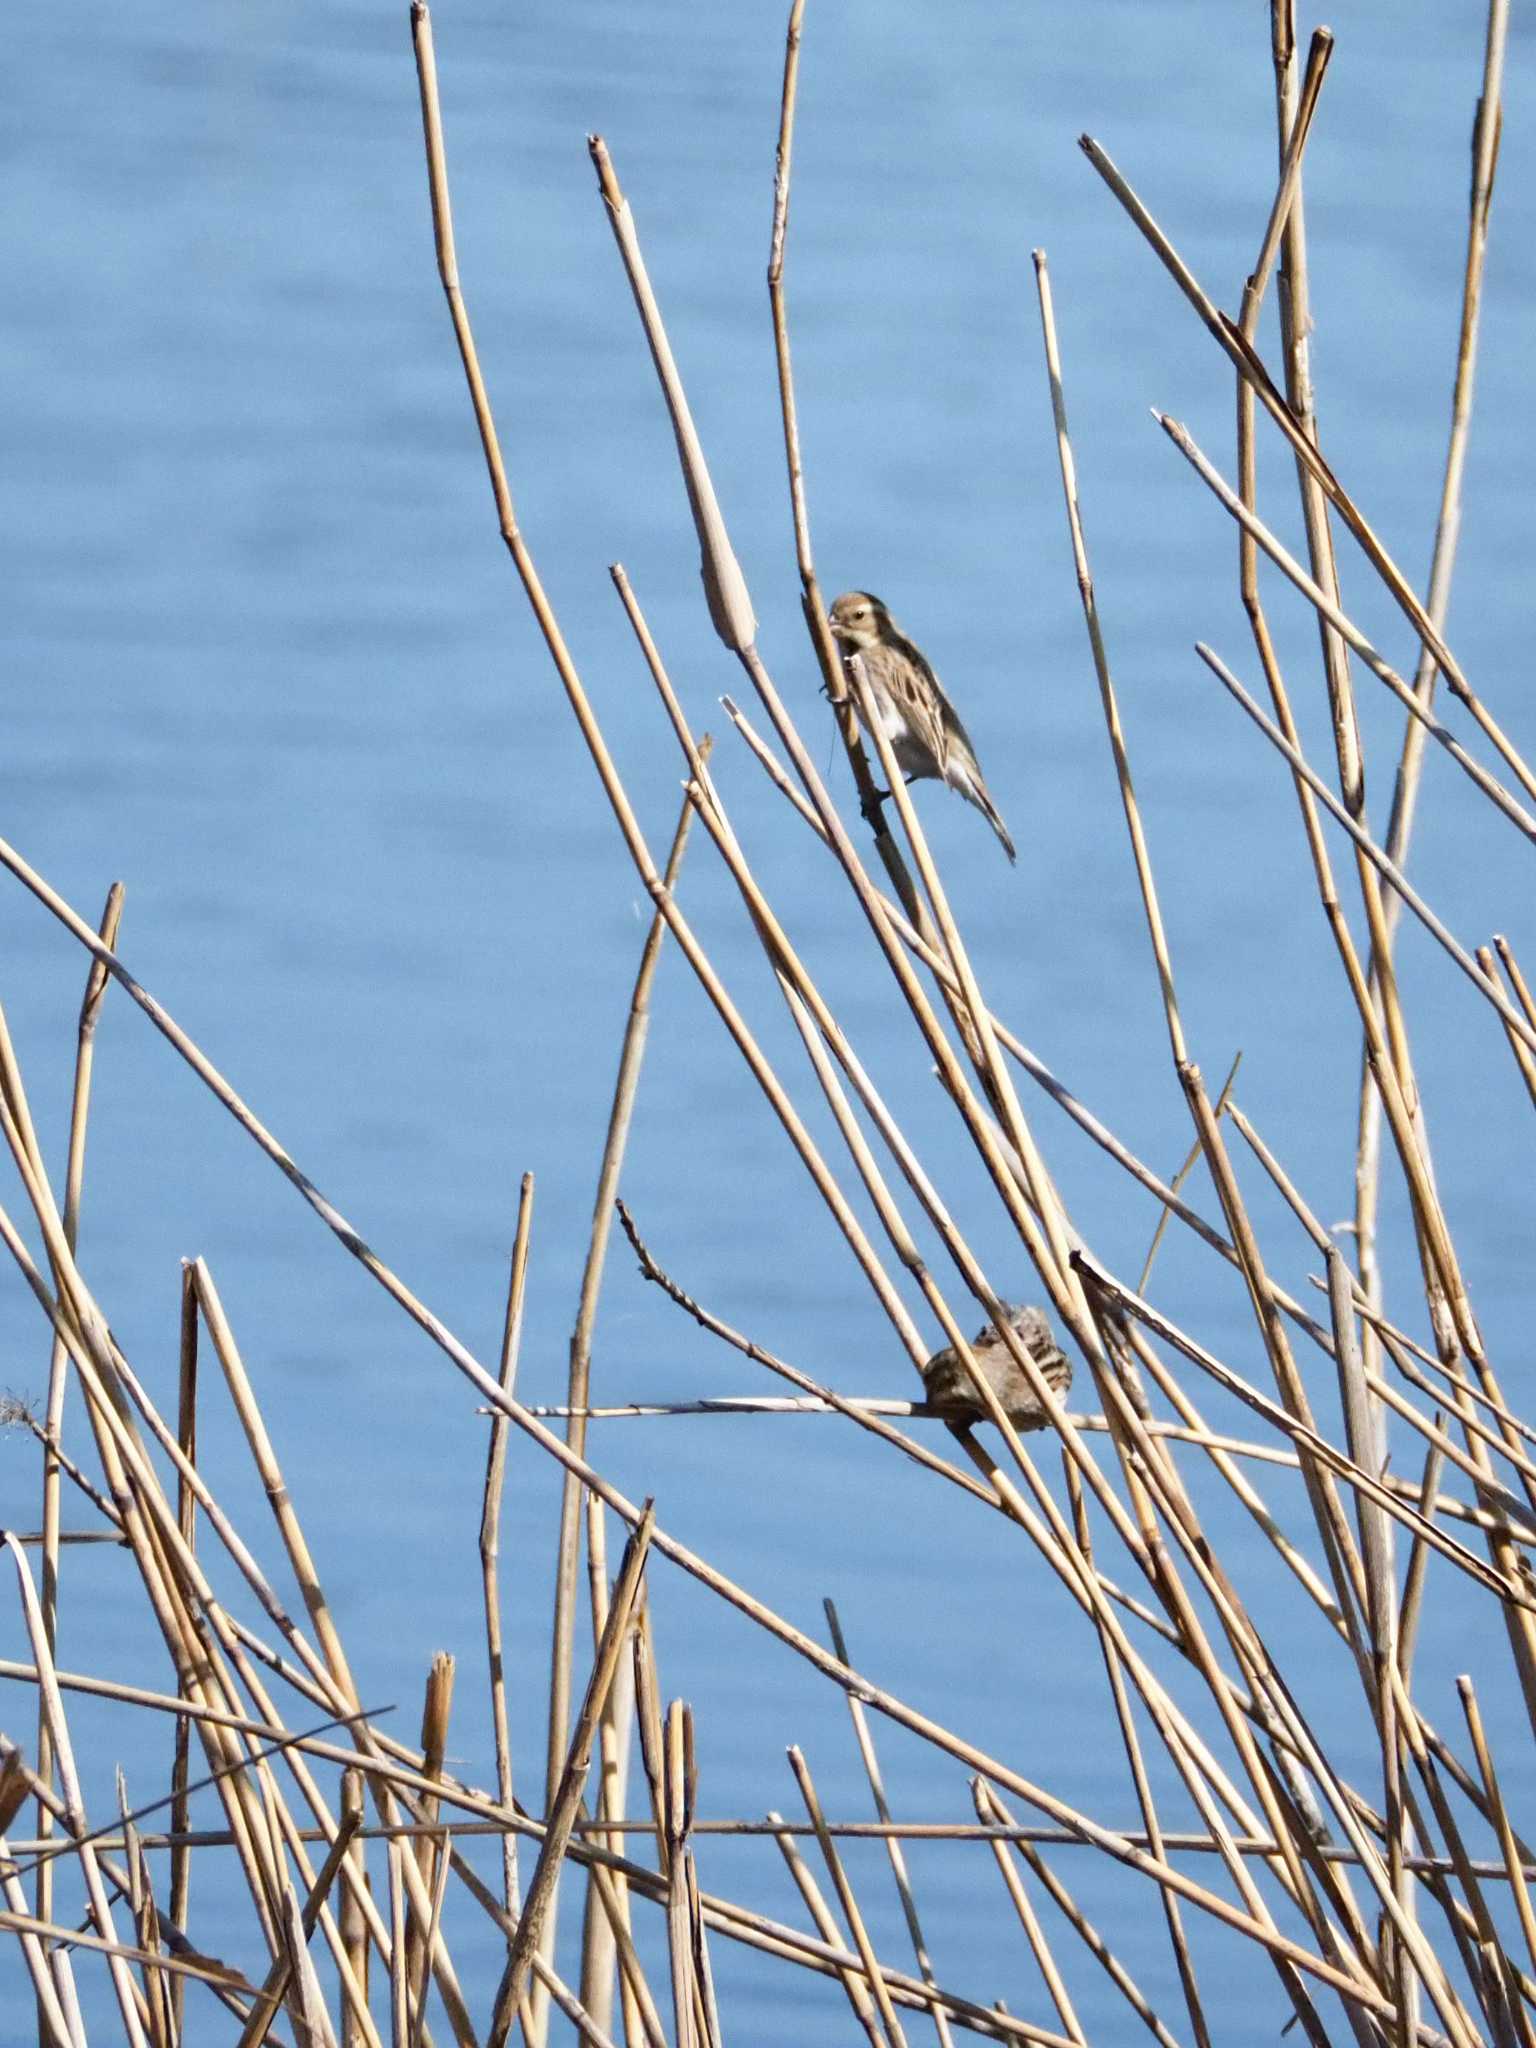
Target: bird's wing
x=956 y=741
x=958 y=763
x=907 y=678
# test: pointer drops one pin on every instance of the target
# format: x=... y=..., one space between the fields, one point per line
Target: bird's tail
x=974 y=790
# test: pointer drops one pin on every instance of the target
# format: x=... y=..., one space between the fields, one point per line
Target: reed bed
x=1390 y=1902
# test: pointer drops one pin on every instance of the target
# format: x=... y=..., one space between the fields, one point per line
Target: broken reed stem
x=434 y=1744
x=854 y=1986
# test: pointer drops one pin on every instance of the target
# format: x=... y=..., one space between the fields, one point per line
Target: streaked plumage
x=923 y=727
x=951 y=1394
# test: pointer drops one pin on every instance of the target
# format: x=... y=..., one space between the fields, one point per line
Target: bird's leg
x=870 y=806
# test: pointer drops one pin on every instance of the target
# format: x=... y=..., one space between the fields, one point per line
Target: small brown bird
x=921 y=724
x=952 y=1396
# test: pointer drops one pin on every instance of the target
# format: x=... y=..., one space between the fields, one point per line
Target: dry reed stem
x=1342 y=1559
x=1193 y=1765
x=1293 y=112
x=1436 y=1247
x=54 y=2028
x=74 y=1176
x=356 y=2022
x=122 y=1953
x=1429 y=1217
x=854 y=1986
x=1034 y=1933
x=1206 y=1126
x=1172 y=1916
x=399 y=1999
x=434 y=1742
x=51 y=1703
x=490 y=1531
x=335 y=1693
x=598 y=1955
x=1365 y=1434
x=1517 y=980
x=829 y=659
x=1191 y=1160
x=434 y=1923
x=269 y=1997
x=871 y=1762
x=725 y=588
x=1485 y=147
x=1410 y=764
x=333 y=1670
x=141 y=1903
x=631 y=1059
x=1295 y=326
x=890 y=2025
x=562 y=1813
x=1110 y=705
x=453 y=1861
x=1523 y=1058
x=690 y=2006
x=1480 y=1749
x=1086 y=1932
x=186 y=1522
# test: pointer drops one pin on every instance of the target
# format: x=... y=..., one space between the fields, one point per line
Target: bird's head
x=858 y=620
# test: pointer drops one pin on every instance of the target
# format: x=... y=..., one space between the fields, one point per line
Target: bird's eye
x=862 y=612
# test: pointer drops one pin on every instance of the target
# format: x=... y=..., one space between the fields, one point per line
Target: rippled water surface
x=265 y=659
